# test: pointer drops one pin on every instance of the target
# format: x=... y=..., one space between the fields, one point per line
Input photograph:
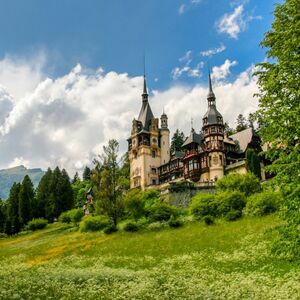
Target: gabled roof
x=243 y=138
x=193 y=138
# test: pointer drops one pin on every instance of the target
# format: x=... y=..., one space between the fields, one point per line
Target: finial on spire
x=145 y=83
x=211 y=96
x=192 y=124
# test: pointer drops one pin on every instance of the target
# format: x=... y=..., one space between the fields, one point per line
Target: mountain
x=16 y=174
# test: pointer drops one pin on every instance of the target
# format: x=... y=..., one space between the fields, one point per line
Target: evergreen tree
x=26 y=196
x=253 y=162
x=86 y=173
x=278 y=114
x=75 y=178
x=12 y=224
x=177 y=141
x=2 y=215
x=42 y=195
x=241 y=123
x=228 y=130
x=65 y=198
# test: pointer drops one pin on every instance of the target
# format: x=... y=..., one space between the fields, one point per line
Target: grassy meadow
x=229 y=260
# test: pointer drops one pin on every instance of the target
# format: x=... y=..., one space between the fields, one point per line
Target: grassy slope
x=224 y=261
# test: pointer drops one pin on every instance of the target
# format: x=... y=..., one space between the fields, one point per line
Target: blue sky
x=114 y=34
x=71 y=70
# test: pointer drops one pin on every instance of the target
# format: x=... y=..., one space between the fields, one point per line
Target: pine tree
x=177 y=141
x=65 y=193
x=253 y=162
x=42 y=195
x=75 y=178
x=26 y=196
x=3 y=213
x=241 y=123
x=86 y=173
x=12 y=224
x=228 y=130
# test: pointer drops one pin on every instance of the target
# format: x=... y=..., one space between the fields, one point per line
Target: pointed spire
x=145 y=93
x=211 y=96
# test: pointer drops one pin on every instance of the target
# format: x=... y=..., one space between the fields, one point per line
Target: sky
x=71 y=71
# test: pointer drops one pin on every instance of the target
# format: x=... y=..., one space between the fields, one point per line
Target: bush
x=131 y=226
x=65 y=217
x=157 y=225
x=3 y=235
x=111 y=228
x=150 y=197
x=76 y=215
x=161 y=212
x=230 y=201
x=208 y=220
x=96 y=223
x=233 y=215
x=36 y=224
x=134 y=204
x=203 y=205
x=245 y=183
x=263 y=203
x=175 y=222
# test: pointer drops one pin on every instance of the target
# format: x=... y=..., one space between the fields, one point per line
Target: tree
x=86 y=173
x=241 y=123
x=106 y=176
x=3 y=208
x=228 y=130
x=278 y=114
x=12 y=224
x=26 y=196
x=75 y=178
x=177 y=141
x=253 y=162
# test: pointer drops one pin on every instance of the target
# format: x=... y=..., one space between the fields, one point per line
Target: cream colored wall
x=217 y=166
x=239 y=169
x=165 y=146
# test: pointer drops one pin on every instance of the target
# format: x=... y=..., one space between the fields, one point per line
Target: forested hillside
x=16 y=174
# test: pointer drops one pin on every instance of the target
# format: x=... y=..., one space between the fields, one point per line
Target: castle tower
x=213 y=132
x=164 y=139
x=146 y=146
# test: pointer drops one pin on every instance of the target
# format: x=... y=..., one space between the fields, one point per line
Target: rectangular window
x=213 y=129
x=153 y=170
x=153 y=153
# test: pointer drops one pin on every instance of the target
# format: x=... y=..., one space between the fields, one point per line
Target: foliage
x=161 y=212
x=156 y=226
x=134 y=204
x=177 y=141
x=111 y=228
x=233 y=215
x=253 y=162
x=131 y=226
x=175 y=222
x=208 y=220
x=36 y=224
x=80 y=189
x=203 y=205
x=65 y=217
x=150 y=197
x=241 y=123
x=3 y=235
x=86 y=173
x=94 y=223
x=227 y=202
x=228 y=130
x=245 y=183
x=3 y=215
x=26 y=196
x=279 y=110
x=263 y=203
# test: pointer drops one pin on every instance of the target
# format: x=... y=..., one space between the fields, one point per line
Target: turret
x=164 y=139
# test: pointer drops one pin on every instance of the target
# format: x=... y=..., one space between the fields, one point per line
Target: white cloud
x=221 y=72
x=186 y=68
x=65 y=121
x=213 y=51
x=181 y=9
x=236 y=22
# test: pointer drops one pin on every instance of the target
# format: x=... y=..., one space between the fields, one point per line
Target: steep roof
x=243 y=138
x=193 y=138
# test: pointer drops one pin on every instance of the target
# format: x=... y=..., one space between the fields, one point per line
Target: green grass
x=229 y=260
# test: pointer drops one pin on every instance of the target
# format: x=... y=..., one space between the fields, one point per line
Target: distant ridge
x=16 y=174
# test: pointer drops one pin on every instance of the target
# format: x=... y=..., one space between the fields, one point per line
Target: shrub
x=263 y=203
x=245 y=183
x=111 y=228
x=96 y=223
x=203 y=205
x=208 y=220
x=161 y=212
x=131 y=226
x=233 y=215
x=36 y=224
x=175 y=222
x=76 y=215
x=134 y=204
x=65 y=217
x=157 y=225
x=150 y=197
x=3 y=235
x=230 y=201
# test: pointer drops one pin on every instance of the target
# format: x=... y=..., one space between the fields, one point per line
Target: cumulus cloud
x=221 y=72
x=236 y=22
x=65 y=121
x=213 y=51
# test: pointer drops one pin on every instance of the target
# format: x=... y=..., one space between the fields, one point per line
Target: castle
x=206 y=157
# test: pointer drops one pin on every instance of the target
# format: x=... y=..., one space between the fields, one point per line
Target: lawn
x=229 y=260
